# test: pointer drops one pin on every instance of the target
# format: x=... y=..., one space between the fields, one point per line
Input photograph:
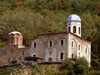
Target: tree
x=66 y=65
x=81 y=66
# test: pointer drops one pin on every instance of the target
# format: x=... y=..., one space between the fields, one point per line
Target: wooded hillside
x=33 y=17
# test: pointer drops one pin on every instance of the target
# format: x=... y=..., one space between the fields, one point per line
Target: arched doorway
x=50 y=59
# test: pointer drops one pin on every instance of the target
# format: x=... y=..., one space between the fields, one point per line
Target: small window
x=69 y=29
x=50 y=43
x=72 y=43
x=34 y=44
x=34 y=55
x=85 y=50
x=74 y=29
x=61 y=56
x=79 y=30
x=61 y=42
x=72 y=55
x=79 y=47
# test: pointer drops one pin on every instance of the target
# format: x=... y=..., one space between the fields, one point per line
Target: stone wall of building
x=78 y=47
x=73 y=47
x=44 y=50
x=13 y=53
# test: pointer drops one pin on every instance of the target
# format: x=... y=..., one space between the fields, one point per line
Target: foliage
x=81 y=66
x=67 y=64
x=50 y=72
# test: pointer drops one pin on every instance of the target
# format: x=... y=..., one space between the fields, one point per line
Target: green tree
x=81 y=66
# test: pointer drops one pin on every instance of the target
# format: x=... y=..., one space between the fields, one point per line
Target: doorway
x=50 y=59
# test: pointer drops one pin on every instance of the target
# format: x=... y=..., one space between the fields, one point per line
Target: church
x=54 y=47
x=51 y=47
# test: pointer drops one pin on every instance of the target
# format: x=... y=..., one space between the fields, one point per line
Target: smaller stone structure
x=15 y=51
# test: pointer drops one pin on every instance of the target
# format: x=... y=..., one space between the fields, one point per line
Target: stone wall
x=44 y=50
x=12 y=53
x=83 y=51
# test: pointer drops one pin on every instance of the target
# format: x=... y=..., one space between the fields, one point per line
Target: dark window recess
x=69 y=29
x=79 y=30
x=62 y=42
x=79 y=47
x=61 y=56
x=72 y=55
x=34 y=55
x=34 y=44
x=86 y=50
x=50 y=43
x=14 y=62
x=74 y=29
x=72 y=43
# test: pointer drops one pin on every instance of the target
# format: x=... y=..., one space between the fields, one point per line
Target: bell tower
x=74 y=24
x=15 y=38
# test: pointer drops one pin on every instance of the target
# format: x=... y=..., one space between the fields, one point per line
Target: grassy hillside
x=34 y=70
x=33 y=17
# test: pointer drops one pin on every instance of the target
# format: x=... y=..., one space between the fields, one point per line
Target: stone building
x=54 y=47
x=15 y=51
x=51 y=47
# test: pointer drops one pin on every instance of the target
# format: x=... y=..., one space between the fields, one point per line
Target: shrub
x=50 y=72
x=81 y=66
x=67 y=65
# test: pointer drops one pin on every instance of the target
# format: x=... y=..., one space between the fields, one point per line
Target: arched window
x=50 y=43
x=62 y=42
x=68 y=29
x=85 y=50
x=72 y=44
x=79 y=30
x=74 y=29
x=78 y=47
x=34 y=44
x=61 y=56
x=34 y=55
x=72 y=55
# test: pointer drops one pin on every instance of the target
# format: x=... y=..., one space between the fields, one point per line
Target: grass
x=33 y=70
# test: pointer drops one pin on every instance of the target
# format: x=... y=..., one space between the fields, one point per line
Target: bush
x=50 y=72
x=93 y=72
x=81 y=66
x=67 y=65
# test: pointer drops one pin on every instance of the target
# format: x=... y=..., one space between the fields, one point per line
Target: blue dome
x=74 y=17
